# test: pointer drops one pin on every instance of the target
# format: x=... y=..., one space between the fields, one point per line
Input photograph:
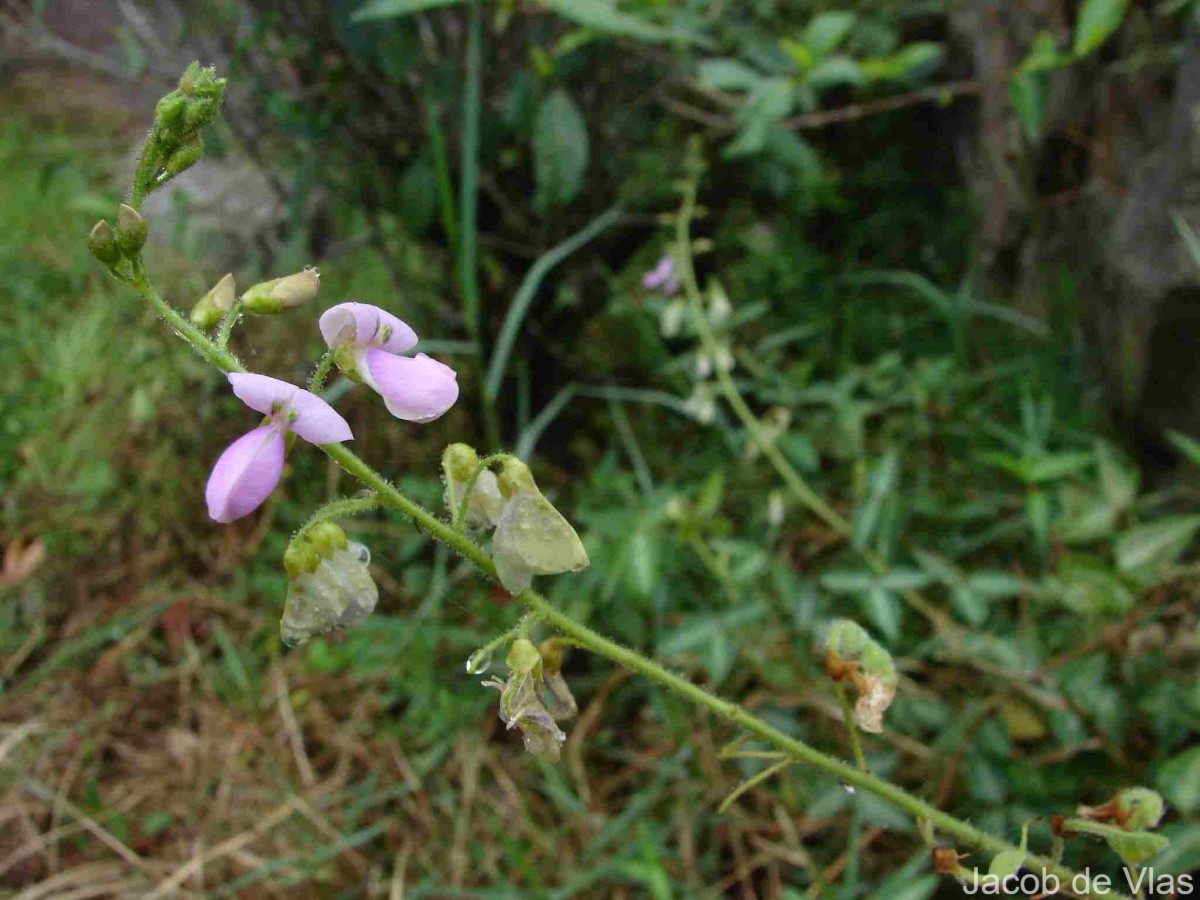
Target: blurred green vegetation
x=966 y=440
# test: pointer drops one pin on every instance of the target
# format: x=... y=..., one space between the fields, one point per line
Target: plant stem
x=793 y=479
x=337 y=509
x=582 y=636
x=851 y=725
x=967 y=834
x=317 y=380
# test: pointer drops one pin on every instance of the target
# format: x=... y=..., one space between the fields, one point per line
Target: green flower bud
x=131 y=231
x=524 y=658
x=270 y=298
x=516 y=478
x=102 y=244
x=459 y=462
x=201 y=113
x=212 y=307
x=187 y=81
x=170 y=111
x=184 y=157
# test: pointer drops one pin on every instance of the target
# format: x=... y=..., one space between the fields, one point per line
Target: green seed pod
x=131 y=231
x=102 y=244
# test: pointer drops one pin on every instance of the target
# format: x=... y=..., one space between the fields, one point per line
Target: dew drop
x=849 y=788
x=479 y=661
x=359 y=552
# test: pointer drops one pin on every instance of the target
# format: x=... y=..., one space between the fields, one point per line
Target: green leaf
x=601 y=16
x=560 y=151
x=728 y=75
x=1189 y=447
x=1098 y=19
x=833 y=72
x=907 y=61
x=1027 y=93
x=1179 y=781
x=642 y=562
x=389 y=9
x=881 y=486
x=1118 y=481
x=1143 y=550
x=826 y=32
x=768 y=104
x=883 y=609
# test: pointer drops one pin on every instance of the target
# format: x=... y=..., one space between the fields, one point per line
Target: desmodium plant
x=330 y=585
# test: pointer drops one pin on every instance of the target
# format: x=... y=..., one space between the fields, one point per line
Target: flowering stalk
x=582 y=636
x=574 y=632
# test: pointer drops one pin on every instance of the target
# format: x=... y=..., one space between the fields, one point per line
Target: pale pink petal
x=262 y=392
x=245 y=474
x=316 y=421
x=416 y=389
x=362 y=323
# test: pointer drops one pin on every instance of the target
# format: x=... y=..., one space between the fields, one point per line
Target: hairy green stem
x=317 y=380
x=337 y=509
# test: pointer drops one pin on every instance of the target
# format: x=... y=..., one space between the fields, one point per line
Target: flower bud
x=212 y=307
x=131 y=231
x=268 y=298
x=102 y=244
x=459 y=462
x=170 y=111
x=201 y=113
x=184 y=157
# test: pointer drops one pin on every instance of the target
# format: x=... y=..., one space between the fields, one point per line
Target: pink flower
x=662 y=277
x=369 y=342
x=250 y=467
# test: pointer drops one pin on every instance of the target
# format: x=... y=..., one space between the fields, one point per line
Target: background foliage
x=944 y=391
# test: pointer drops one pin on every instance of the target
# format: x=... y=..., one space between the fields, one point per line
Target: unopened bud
x=171 y=110
x=201 y=113
x=515 y=478
x=523 y=657
x=102 y=244
x=131 y=231
x=270 y=298
x=1140 y=808
x=212 y=307
x=552 y=653
x=185 y=157
x=459 y=462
